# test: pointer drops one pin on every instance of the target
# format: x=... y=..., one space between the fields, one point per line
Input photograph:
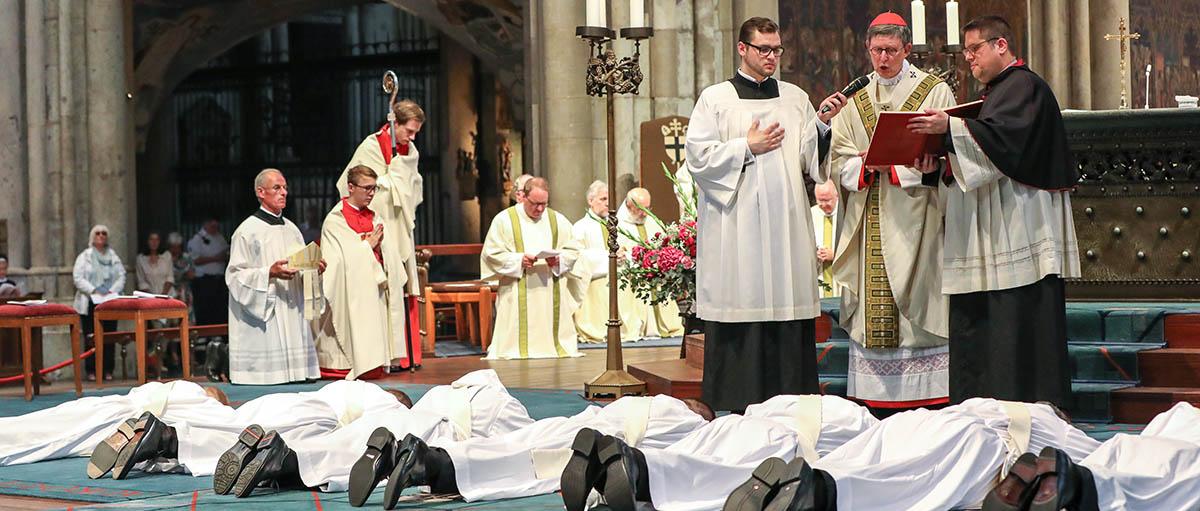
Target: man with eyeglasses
x=1010 y=239
x=751 y=142
x=353 y=333
x=399 y=190
x=889 y=259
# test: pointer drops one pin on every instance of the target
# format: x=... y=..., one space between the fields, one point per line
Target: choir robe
x=400 y=189
x=530 y=461
x=592 y=316
x=1157 y=469
x=354 y=331
x=534 y=306
x=828 y=240
x=910 y=367
x=74 y=428
x=756 y=267
x=270 y=340
x=944 y=459
x=1009 y=243
x=638 y=318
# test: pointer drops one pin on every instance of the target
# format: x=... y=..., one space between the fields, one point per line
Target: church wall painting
x=1170 y=42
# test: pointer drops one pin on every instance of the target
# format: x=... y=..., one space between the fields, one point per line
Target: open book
x=306 y=258
x=894 y=144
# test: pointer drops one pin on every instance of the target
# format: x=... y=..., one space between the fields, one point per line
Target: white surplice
x=530 y=461
x=756 y=260
x=270 y=340
x=638 y=318
x=529 y=298
x=592 y=315
x=75 y=427
x=1158 y=469
x=910 y=227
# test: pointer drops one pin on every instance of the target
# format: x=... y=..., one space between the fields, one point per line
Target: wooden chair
x=28 y=317
x=141 y=310
x=474 y=301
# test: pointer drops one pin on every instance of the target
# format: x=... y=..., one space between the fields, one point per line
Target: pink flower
x=688 y=263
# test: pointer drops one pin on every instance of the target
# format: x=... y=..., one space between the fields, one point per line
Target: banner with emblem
x=663 y=142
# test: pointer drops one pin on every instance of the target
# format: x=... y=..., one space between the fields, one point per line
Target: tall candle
x=596 y=14
x=918 y=22
x=952 y=23
x=637 y=13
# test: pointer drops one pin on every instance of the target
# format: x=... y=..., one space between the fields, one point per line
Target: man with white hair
x=592 y=233
x=825 y=217
x=269 y=338
x=640 y=319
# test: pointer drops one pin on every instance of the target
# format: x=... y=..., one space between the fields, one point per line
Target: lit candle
x=952 y=23
x=596 y=13
x=918 y=22
x=637 y=13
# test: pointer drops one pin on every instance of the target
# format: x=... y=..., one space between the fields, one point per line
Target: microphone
x=853 y=87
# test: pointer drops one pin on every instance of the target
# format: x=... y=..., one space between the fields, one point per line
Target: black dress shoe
x=797 y=489
x=417 y=464
x=757 y=491
x=583 y=470
x=625 y=478
x=374 y=465
x=151 y=439
x=273 y=463
x=232 y=461
x=1015 y=490
x=1060 y=484
x=104 y=456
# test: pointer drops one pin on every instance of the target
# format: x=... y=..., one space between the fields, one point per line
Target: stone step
x=1093 y=400
x=1106 y=362
x=1170 y=367
x=1138 y=405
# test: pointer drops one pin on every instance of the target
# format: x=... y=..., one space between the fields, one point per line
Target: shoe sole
x=752 y=494
x=573 y=482
x=127 y=454
x=364 y=476
x=248 y=480
x=1024 y=470
x=1047 y=466
x=398 y=479
x=617 y=491
x=233 y=461
x=791 y=481
x=104 y=456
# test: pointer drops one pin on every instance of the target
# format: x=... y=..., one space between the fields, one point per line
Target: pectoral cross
x=1122 y=37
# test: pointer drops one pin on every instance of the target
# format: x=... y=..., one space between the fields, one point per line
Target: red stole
x=384 y=137
x=361 y=221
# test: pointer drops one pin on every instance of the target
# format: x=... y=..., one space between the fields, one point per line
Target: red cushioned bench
x=141 y=310
x=28 y=317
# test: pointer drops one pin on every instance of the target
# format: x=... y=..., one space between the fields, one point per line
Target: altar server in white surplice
x=533 y=459
x=889 y=257
x=75 y=427
x=269 y=338
x=639 y=318
x=751 y=142
x=532 y=251
x=592 y=233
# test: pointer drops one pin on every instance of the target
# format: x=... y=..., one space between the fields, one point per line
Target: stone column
x=1103 y=18
x=1081 y=55
x=110 y=127
x=1056 y=48
x=746 y=9
x=35 y=115
x=568 y=144
x=711 y=50
x=12 y=145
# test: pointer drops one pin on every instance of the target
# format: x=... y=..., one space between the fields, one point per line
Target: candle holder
x=922 y=56
x=608 y=76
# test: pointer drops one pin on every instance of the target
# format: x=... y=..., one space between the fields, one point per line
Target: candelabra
x=922 y=54
x=608 y=76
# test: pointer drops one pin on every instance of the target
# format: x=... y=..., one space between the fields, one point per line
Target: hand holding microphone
x=834 y=103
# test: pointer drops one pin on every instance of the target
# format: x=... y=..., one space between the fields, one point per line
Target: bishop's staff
x=390 y=87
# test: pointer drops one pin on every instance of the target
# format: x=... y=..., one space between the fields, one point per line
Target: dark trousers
x=210 y=300
x=747 y=363
x=89 y=364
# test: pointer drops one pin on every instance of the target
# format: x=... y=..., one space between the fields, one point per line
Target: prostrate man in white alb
x=355 y=331
x=592 y=233
x=639 y=319
x=399 y=190
x=751 y=142
x=889 y=257
x=532 y=252
x=269 y=338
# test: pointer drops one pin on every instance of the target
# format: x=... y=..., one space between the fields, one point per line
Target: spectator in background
x=211 y=252
x=99 y=277
x=8 y=287
x=155 y=273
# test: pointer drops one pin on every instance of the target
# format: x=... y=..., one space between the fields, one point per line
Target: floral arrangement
x=664 y=267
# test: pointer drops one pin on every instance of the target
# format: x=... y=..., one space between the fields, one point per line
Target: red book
x=894 y=144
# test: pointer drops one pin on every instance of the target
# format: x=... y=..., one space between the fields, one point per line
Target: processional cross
x=1122 y=36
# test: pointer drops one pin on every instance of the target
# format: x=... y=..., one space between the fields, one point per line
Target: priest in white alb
x=639 y=319
x=269 y=338
x=825 y=217
x=889 y=257
x=751 y=142
x=592 y=233
x=531 y=250
x=354 y=334
x=399 y=190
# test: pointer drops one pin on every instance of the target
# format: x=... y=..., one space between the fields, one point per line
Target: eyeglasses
x=974 y=48
x=98 y=233
x=763 y=51
x=891 y=52
x=368 y=189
